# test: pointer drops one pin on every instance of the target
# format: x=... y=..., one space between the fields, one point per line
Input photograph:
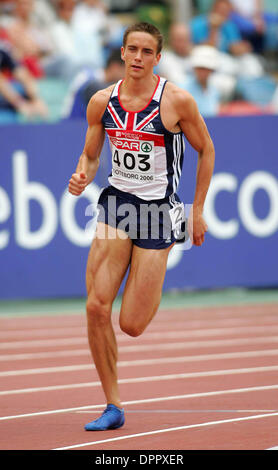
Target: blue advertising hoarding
x=44 y=240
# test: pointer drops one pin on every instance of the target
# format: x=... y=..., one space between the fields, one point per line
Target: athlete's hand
x=197 y=227
x=77 y=183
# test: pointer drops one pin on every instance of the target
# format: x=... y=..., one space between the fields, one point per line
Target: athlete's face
x=140 y=54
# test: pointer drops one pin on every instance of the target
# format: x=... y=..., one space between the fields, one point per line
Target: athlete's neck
x=139 y=86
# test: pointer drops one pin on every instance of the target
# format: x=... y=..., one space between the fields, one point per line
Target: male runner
x=145 y=118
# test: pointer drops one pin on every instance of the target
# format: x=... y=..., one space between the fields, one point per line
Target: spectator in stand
x=65 y=40
x=31 y=43
x=43 y=13
x=86 y=84
x=204 y=60
x=237 y=58
x=218 y=30
x=94 y=28
x=175 y=63
x=18 y=92
x=77 y=38
x=248 y=15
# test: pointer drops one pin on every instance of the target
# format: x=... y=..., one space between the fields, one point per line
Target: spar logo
x=146 y=147
x=125 y=144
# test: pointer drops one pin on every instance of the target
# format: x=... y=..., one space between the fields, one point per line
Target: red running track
x=197 y=379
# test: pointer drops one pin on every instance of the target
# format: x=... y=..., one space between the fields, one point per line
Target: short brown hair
x=145 y=28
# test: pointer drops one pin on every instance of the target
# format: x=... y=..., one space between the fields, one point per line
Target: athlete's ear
x=157 y=59
x=122 y=53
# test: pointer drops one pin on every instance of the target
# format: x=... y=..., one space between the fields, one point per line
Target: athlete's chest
x=134 y=104
x=145 y=120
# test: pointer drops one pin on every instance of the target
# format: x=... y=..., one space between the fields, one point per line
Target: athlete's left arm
x=195 y=130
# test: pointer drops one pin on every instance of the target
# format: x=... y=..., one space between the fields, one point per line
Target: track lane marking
x=146 y=400
x=145 y=347
x=161 y=431
x=155 y=378
x=142 y=362
x=132 y=348
x=147 y=336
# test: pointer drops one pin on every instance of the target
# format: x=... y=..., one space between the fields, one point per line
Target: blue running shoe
x=112 y=418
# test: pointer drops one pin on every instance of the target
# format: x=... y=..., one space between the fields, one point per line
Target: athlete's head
x=145 y=28
x=142 y=44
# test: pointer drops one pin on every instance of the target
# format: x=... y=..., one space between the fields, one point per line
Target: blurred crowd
x=225 y=54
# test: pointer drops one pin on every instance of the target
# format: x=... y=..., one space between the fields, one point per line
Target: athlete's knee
x=98 y=311
x=132 y=328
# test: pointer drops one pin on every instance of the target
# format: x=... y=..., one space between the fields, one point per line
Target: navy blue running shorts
x=149 y=224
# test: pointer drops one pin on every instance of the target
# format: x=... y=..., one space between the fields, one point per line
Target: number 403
x=130 y=162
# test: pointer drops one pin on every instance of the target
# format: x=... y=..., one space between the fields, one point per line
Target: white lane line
x=147 y=400
x=203 y=331
x=143 y=347
x=143 y=362
x=161 y=431
x=43 y=342
x=272 y=448
x=170 y=411
x=147 y=336
x=45 y=355
x=155 y=378
x=57 y=331
x=160 y=328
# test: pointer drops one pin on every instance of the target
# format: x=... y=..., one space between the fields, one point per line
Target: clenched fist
x=77 y=183
x=197 y=227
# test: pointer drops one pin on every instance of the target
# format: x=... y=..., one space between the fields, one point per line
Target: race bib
x=132 y=159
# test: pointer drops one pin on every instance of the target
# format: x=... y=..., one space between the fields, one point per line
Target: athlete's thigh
x=108 y=260
x=143 y=288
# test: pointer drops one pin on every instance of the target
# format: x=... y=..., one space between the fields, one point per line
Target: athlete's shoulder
x=178 y=94
x=181 y=99
x=101 y=97
x=98 y=104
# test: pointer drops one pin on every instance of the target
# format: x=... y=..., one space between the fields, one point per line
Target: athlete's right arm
x=89 y=159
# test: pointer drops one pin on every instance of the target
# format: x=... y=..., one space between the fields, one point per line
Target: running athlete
x=145 y=118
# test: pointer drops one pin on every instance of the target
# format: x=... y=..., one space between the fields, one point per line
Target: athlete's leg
x=143 y=289
x=108 y=261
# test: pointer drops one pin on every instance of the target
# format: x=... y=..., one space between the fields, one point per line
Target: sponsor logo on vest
x=126 y=144
x=149 y=127
x=146 y=147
